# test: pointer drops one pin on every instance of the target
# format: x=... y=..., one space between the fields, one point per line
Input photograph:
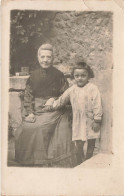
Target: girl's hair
x=83 y=65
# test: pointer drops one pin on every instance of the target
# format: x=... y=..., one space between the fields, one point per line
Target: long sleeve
x=64 y=85
x=63 y=100
x=28 y=98
x=96 y=104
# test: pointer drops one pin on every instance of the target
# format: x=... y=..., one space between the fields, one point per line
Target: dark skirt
x=47 y=142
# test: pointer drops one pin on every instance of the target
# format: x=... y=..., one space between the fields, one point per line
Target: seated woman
x=45 y=138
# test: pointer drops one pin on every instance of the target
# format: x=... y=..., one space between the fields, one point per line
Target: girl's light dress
x=86 y=106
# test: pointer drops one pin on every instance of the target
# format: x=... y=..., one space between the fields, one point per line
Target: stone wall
x=83 y=35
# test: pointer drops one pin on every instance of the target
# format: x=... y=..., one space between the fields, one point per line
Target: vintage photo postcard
x=62 y=98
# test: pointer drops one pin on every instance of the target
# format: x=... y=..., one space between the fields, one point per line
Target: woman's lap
x=48 y=138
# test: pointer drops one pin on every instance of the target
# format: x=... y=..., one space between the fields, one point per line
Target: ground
x=11 y=152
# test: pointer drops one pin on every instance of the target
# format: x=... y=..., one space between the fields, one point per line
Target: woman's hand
x=96 y=126
x=30 y=118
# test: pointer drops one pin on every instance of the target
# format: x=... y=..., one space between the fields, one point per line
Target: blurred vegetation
x=29 y=29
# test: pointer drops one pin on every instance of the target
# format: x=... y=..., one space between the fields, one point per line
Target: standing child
x=85 y=99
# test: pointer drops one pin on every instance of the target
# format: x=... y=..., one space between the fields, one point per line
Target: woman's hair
x=83 y=65
x=45 y=46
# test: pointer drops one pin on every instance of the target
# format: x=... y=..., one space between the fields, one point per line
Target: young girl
x=87 y=110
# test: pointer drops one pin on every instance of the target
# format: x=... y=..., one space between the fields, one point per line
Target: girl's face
x=81 y=77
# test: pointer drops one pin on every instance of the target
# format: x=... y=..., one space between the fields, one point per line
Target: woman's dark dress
x=49 y=139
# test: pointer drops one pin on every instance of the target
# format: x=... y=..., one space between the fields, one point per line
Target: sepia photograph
x=60 y=88
x=62 y=98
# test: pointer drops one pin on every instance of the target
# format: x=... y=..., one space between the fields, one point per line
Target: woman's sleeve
x=97 y=104
x=28 y=98
x=63 y=100
x=64 y=85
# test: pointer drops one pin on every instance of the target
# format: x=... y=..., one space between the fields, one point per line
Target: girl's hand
x=96 y=126
x=30 y=118
x=47 y=108
x=50 y=102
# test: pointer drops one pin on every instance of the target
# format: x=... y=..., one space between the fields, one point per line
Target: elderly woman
x=45 y=138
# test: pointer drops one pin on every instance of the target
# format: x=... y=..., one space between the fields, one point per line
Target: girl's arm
x=62 y=101
x=97 y=105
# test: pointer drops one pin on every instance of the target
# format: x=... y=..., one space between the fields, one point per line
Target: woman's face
x=45 y=58
x=81 y=77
